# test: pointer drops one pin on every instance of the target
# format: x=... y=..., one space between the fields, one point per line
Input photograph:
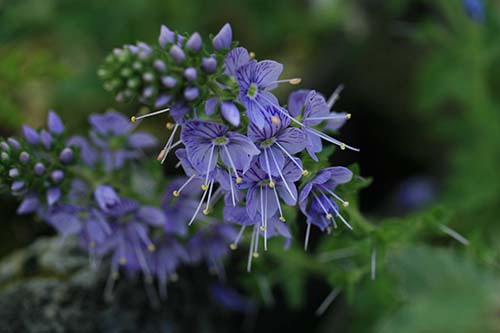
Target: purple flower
x=230 y=299
x=194 y=42
x=88 y=153
x=111 y=132
x=31 y=135
x=474 y=9
x=224 y=38
x=318 y=200
x=207 y=141
x=276 y=140
x=265 y=191
x=29 y=205
x=166 y=259
x=212 y=244
x=55 y=123
x=255 y=79
x=312 y=108
x=180 y=201
x=53 y=195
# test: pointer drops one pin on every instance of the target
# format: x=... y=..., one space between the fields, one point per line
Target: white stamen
x=136 y=118
x=337 y=254
x=293 y=81
x=308 y=233
x=231 y=162
x=166 y=149
x=232 y=190
x=265 y=221
x=209 y=163
x=234 y=244
x=453 y=234
x=271 y=183
x=374 y=263
x=289 y=156
x=206 y=211
x=344 y=203
x=178 y=192
x=250 y=251
x=198 y=208
x=328 y=301
x=283 y=178
x=331 y=117
x=335 y=95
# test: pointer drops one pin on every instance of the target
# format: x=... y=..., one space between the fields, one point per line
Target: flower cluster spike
x=240 y=144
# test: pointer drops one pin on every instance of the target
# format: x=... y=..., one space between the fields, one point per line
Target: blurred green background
x=422 y=81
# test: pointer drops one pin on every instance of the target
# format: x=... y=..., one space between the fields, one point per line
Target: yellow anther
x=176 y=193
x=348 y=116
x=295 y=81
x=133 y=119
x=206 y=211
x=275 y=120
x=329 y=216
x=238 y=180
x=169 y=125
x=204 y=187
x=329 y=230
x=233 y=246
x=342 y=146
x=252 y=55
x=271 y=184
x=256 y=254
x=345 y=204
x=282 y=219
x=305 y=172
x=92 y=245
x=174 y=277
x=122 y=261
x=262 y=228
x=151 y=248
x=161 y=155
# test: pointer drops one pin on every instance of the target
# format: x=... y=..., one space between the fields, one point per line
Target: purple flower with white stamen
x=207 y=141
x=255 y=80
x=318 y=201
x=264 y=193
x=276 y=140
x=313 y=109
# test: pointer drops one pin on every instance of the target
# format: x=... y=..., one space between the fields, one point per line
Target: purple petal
x=31 y=135
x=267 y=72
x=236 y=58
x=65 y=223
x=106 y=197
x=223 y=38
x=340 y=175
x=152 y=216
x=162 y=100
x=110 y=123
x=292 y=139
x=141 y=140
x=296 y=102
x=55 y=123
x=28 y=205
x=237 y=215
x=87 y=153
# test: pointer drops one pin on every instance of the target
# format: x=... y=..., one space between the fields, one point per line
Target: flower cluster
x=73 y=184
x=242 y=148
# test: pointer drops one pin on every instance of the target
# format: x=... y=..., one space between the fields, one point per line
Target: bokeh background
x=422 y=82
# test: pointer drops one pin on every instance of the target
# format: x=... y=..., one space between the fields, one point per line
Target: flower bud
x=4 y=146
x=231 y=113
x=13 y=173
x=166 y=36
x=209 y=65
x=57 y=176
x=147 y=92
x=14 y=143
x=159 y=65
x=177 y=53
x=46 y=139
x=39 y=169
x=194 y=43
x=31 y=135
x=66 y=156
x=169 y=81
x=190 y=74
x=148 y=77
x=24 y=157
x=4 y=156
x=55 y=123
x=191 y=93
x=224 y=38
x=17 y=186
